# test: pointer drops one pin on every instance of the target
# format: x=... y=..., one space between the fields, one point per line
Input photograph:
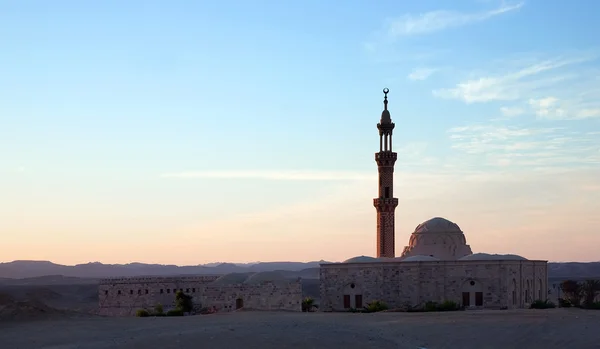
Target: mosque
x=437 y=265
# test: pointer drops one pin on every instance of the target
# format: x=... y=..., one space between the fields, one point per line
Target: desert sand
x=545 y=329
x=63 y=316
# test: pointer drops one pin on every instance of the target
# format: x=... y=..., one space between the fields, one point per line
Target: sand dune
x=21 y=310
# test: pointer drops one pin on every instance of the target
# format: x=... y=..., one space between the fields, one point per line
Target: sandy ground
x=544 y=329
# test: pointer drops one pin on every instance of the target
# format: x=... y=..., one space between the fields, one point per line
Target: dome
x=265 y=276
x=420 y=258
x=361 y=259
x=437 y=225
x=438 y=238
x=492 y=257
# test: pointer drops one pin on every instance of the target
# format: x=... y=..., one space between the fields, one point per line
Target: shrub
x=564 y=303
x=207 y=310
x=307 y=304
x=142 y=313
x=448 y=306
x=183 y=302
x=594 y=305
x=175 y=312
x=540 y=304
x=431 y=306
x=376 y=306
x=444 y=306
x=415 y=309
x=158 y=310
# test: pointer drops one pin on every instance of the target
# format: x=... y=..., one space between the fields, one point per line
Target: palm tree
x=307 y=304
x=590 y=290
x=572 y=291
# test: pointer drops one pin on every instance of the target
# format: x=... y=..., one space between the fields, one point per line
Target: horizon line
x=204 y=264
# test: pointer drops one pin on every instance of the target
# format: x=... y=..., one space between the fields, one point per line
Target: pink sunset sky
x=190 y=132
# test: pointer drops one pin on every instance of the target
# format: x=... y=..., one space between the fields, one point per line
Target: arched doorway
x=353 y=298
x=472 y=294
x=239 y=303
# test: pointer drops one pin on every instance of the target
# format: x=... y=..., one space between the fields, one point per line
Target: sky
x=188 y=132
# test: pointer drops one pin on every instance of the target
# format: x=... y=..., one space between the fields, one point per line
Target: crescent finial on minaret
x=385 y=101
x=386 y=119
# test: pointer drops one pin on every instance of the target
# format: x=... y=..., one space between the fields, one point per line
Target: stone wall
x=414 y=283
x=264 y=296
x=123 y=297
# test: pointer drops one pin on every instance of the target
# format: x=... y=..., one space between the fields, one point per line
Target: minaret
x=385 y=203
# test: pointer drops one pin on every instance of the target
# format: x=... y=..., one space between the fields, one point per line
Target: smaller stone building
x=255 y=291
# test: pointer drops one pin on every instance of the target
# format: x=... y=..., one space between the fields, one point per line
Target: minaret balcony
x=386 y=155
x=385 y=202
x=386 y=126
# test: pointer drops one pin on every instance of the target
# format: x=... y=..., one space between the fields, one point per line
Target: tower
x=386 y=202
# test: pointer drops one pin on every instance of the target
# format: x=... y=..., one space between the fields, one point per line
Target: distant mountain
x=57 y=273
x=47 y=280
x=95 y=270
x=574 y=270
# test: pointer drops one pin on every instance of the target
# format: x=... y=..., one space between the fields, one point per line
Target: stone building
x=437 y=265
x=445 y=273
x=255 y=291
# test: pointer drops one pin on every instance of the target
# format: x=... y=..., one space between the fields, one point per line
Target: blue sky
x=188 y=131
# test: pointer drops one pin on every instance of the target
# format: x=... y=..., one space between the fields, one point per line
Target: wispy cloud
x=300 y=175
x=546 y=106
x=518 y=207
x=414 y=155
x=558 y=88
x=421 y=74
x=380 y=47
x=434 y=21
x=509 y=86
x=504 y=146
x=511 y=112
x=552 y=108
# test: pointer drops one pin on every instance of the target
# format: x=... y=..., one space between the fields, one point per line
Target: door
x=466 y=299
x=479 y=299
x=239 y=303
x=358 y=301
x=346 y=301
